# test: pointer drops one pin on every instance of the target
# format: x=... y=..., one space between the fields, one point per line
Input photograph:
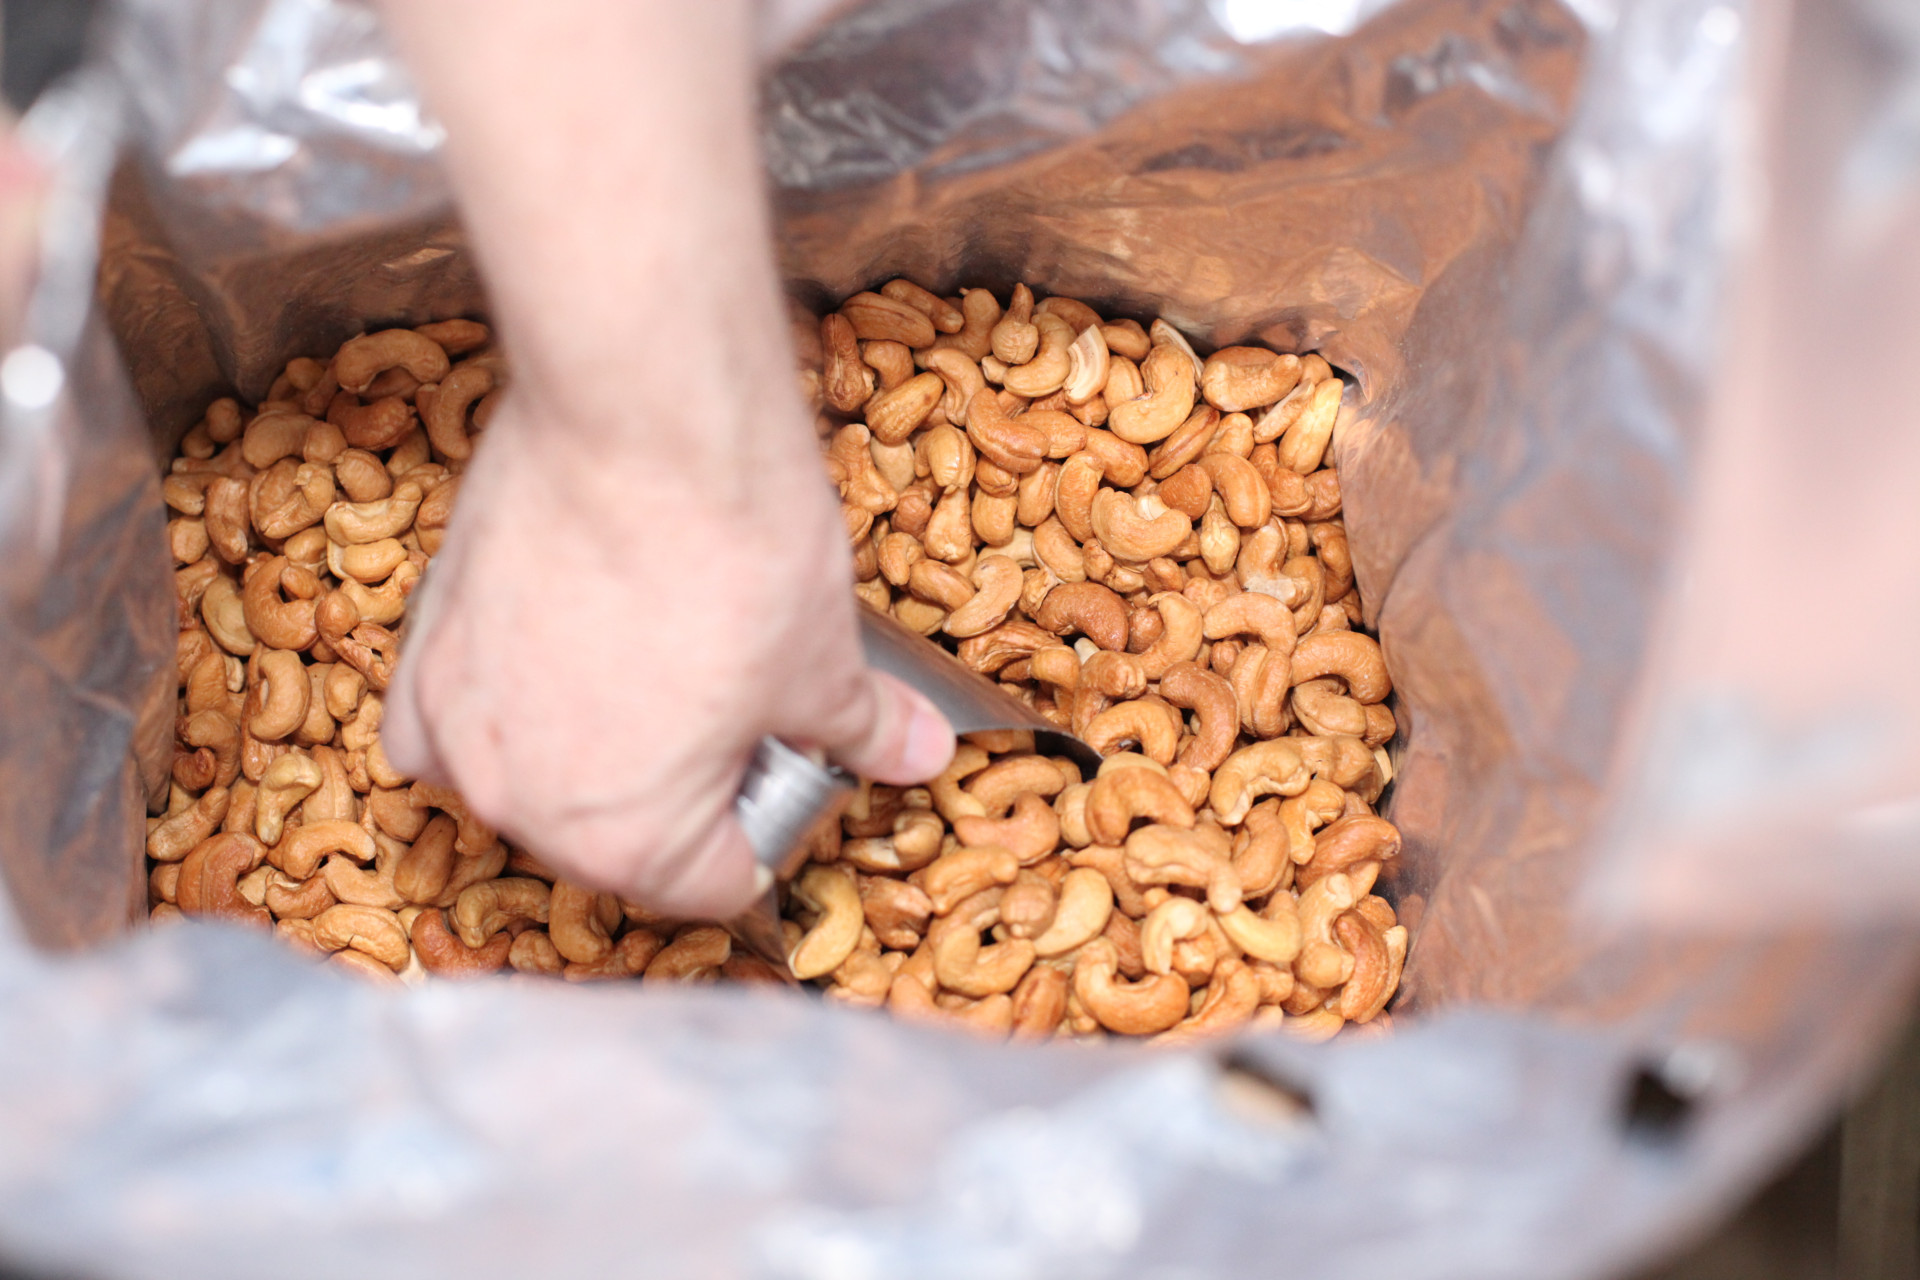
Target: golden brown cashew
x=1239 y=378
x=1267 y=768
x=1148 y=721
x=893 y=361
x=962 y=873
x=1123 y=464
x=1152 y=1004
x=1014 y=444
x=1117 y=799
x=349 y=882
x=284 y=694
x=1304 y=443
x=695 y=955
x=210 y=876
x=178 y=834
x=1136 y=529
x=961 y=964
x=876 y=317
x=895 y=910
x=1126 y=338
x=422 y=872
x=446 y=956
x=300 y=849
x=446 y=419
x=1322 y=963
x=1196 y=858
x=1074 y=493
x=832 y=892
x=1248 y=501
x=628 y=959
x=961 y=378
x=456 y=337
x=998 y=581
x=483 y=910
x=577 y=924
x=1169 y=377
x=946 y=317
x=1088 y=608
x=1259 y=679
x=1084 y=906
x=1323 y=710
x=1351 y=655
x=895 y=414
x=286 y=782
x=1345 y=762
x=981 y=311
x=1210 y=697
x=1027 y=907
x=1047 y=371
x=1087 y=366
x=1039 y=1002
x=375 y=425
x=1229 y=1003
x=1014 y=337
x=226 y=519
x=387 y=603
x=355 y=522
x=216 y=731
x=533 y=952
x=360 y=360
x=1250 y=613
x=291 y=899
x=1031 y=832
x=1361 y=838
x=371 y=931
x=1174 y=920
x=1378 y=956
x=846 y=381
x=272 y=436
x=1275 y=939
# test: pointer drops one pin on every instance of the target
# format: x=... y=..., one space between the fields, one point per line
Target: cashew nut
x=833 y=893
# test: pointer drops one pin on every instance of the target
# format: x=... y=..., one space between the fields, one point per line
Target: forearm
x=606 y=163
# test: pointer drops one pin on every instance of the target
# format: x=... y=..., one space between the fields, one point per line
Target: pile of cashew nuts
x=1143 y=545
x=1146 y=547
x=299 y=528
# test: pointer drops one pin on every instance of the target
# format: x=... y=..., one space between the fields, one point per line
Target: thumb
x=896 y=735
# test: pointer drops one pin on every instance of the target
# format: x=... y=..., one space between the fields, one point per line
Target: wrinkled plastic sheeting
x=1510 y=222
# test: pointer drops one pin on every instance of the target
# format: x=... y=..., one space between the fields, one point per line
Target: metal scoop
x=785 y=792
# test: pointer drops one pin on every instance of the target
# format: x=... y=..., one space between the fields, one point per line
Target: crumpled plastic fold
x=1530 y=231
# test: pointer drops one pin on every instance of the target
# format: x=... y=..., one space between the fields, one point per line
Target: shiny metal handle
x=782 y=796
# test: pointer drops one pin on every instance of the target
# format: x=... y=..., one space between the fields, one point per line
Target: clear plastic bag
x=1545 y=240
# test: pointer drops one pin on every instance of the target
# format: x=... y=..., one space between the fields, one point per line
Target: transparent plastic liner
x=1518 y=225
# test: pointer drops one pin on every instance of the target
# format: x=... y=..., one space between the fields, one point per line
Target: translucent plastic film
x=1532 y=232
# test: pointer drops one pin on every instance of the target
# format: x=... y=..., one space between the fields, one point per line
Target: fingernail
x=929 y=741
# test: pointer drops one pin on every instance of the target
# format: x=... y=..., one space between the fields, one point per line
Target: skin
x=647 y=570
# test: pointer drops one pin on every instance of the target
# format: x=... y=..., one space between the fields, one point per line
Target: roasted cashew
x=1117 y=799
x=893 y=361
x=1088 y=608
x=578 y=922
x=1229 y=1003
x=1259 y=679
x=1274 y=939
x=1348 y=841
x=1188 y=491
x=1123 y=464
x=1014 y=337
x=389 y=517
x=1238 y=378
x=1075 y=492
x=1087 y=365
x=446 y=418
x=444 y=955
x=1211 y=699
x=980 y=311
x=349 y=882
x=1136 y=529
x=964 y=872
x=896 y=910
x=1196 y=858
x=895 y=414
x=1322 y=709
x=833 y=893
x=1152 y=1004
x=284 y=692
x=1245 y=495
x=1027 y=907
x=1040 y=1002
x=1172 y=921
x=1012 y=443
x=360 y=360
x=473 y=834
x=1250 y=613
x=1304 y=442
x=1169 y=377
x=210 y=876
x=629 y=957
x=876 y=317
x=1031 y=832
x=1184 y=447
x=1351 y=655
x=272 y=436
x=1266 y=768
x=1151 y=723
x=1081 y=913
x=1322 y=962
x=1375 y=975
x=961 y=964
x=695 y=955
x=300 y=849
x=861 y=483
x=286 y=782
x=846 y=381
x=291 y=899
x=178 y=834
x=226 y=518
x=998 y=581
x=217 y=732
x=1345 y=762
x=483 y=910
x=946 y=317
x=288 y=497
x=1047 y=371
x=372 y=931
